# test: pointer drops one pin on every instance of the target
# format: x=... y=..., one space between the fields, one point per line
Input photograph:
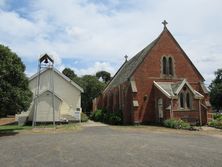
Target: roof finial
x=164 y=23
x=125 y=57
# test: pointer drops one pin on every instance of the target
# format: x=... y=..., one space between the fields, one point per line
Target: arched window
x=164 y=65
x=170 y=66
x=181 y=100
x=185 y=99
x=188 y=100
x=167 y=66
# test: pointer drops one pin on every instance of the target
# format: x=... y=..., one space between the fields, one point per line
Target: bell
x=46 y=61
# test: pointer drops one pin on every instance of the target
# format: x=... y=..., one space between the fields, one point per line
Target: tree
x=92 y=88
x=91 y=85
x=69 y=73
x=15 y=95
x=106 y=77
x=216 y=91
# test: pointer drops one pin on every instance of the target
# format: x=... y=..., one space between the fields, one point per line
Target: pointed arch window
x=182 y=100
x=167 y=65
x=188 y=102
x=185 y=99
x=164 y=65
x=170 y=65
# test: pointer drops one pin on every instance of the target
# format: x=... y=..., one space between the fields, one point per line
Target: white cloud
x=2 y=3
x=106 y=31
x=98 y=66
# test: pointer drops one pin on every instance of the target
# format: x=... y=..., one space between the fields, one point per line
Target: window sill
x=186 y=110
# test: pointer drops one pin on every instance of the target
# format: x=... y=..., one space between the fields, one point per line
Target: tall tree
x=92 y=88
x=216 y=91
x=91 y=85
x=15 y=95
x=69 y=73
x=106 y=76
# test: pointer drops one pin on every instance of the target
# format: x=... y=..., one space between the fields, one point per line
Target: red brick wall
x=150 y=70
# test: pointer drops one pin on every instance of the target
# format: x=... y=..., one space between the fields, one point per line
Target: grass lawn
x=14 y=129
x=8 y=130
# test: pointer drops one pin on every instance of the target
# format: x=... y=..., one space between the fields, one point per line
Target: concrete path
x=91 y=123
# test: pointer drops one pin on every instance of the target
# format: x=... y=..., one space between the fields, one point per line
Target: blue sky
x=93 y=35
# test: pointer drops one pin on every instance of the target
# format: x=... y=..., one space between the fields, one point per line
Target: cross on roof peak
x=164 y=23
x=125 y=57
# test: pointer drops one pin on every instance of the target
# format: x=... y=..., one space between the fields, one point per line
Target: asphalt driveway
x=106 y=146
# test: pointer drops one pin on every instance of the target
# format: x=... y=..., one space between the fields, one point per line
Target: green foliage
x=98 y=115
x=216 y=91
x=217 y=117
x=176 y=124
x=91 y=85
x=106 y=76
x=15 y=95
x=84 y=117
x=113 y=118
x=217 y=121
x=92 y=88
x=69 y=73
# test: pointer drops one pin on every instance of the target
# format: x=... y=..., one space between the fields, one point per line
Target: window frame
x=186 y=96
x=167 y=65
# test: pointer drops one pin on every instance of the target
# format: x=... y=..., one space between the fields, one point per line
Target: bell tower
x=44 y=62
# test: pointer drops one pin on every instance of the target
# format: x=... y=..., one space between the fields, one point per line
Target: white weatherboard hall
x=66 y=97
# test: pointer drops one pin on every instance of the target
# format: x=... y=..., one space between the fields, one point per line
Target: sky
x=92 y=35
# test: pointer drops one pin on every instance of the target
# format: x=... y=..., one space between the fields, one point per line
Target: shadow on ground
x=10 y=130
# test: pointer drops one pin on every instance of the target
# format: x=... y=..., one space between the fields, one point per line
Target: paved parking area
x=105 y=146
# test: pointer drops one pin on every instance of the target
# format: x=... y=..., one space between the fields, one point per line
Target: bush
x=84 y=117
x=217 y=117
x=98 y=115
x=176 y=124
x=113 y=118
x=217 y=121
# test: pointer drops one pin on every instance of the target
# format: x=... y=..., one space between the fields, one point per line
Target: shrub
x=217 y=121
x=84 y=117
x=98 y=115
x=217 y=117
x=113 y=118
x=176 y=124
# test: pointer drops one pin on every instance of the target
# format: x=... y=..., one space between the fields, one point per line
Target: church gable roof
x=172 y=89
x=128 y=68
x=61 y=75
x=184 y=53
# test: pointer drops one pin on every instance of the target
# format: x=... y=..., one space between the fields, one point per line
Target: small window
x=167 y=65
x=170 y=66
x=181 y=100
x=188 y=100
x=164 y=65
x=185 y=99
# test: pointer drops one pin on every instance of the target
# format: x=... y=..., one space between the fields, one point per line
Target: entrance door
x=160 y=108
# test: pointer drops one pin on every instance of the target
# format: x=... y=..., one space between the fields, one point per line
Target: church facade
x=158 y=83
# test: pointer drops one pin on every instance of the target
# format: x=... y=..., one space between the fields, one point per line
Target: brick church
x=158 y=83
